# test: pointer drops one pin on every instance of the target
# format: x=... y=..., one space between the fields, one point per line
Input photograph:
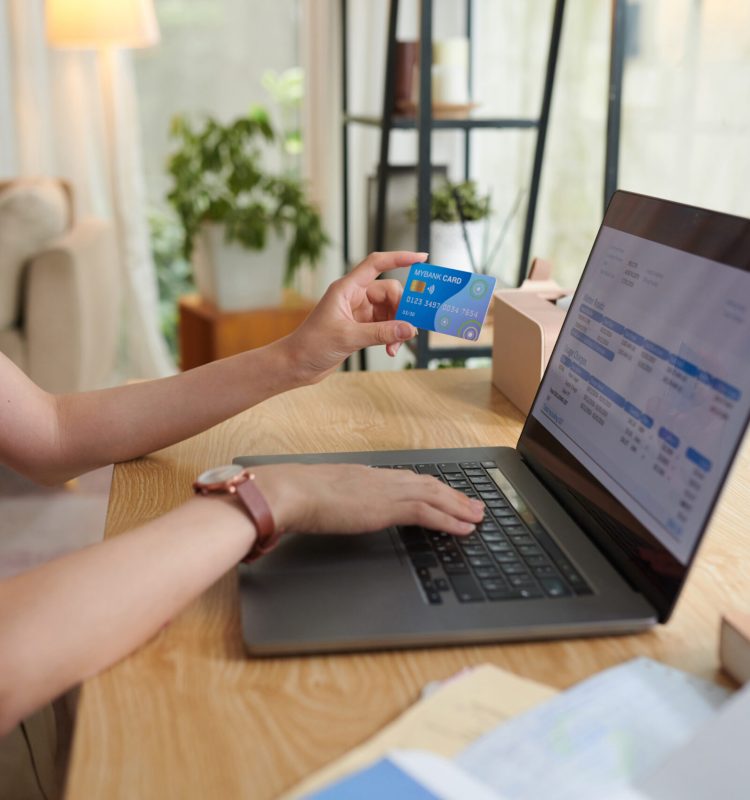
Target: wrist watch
x=240 y=482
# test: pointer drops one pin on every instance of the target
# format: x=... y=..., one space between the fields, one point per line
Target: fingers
x=435 y=506
x=392 y=332
x=429 y=517
x=376 y=263
x=451 y=501
x=384 y=297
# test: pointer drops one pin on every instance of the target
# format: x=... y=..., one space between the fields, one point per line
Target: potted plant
x=459 y=216
x=247 y=229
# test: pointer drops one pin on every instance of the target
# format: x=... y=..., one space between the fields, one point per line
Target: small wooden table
x=189 y=715
x=207 y=333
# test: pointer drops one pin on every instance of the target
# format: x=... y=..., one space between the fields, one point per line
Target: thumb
x=391 y=332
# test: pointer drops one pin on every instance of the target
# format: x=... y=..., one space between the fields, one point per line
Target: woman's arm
x=51 y=438
x=75 y=616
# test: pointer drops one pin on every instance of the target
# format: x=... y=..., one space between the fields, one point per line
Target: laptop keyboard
x=505 y=559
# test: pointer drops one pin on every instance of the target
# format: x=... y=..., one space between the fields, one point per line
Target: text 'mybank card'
x=446 y=300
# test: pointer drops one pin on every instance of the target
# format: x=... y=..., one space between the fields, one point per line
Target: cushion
x=33 y=211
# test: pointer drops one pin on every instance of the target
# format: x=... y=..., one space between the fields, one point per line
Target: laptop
x=594 y=519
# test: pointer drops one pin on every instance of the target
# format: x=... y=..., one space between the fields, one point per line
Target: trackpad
x=330 y=551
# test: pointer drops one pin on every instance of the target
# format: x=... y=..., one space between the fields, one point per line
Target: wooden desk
x=189 y=715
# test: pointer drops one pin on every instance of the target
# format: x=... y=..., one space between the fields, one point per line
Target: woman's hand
x=351 y=498
x=356 y=311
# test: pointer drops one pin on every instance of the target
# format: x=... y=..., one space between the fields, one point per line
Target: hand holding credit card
x=446 y=300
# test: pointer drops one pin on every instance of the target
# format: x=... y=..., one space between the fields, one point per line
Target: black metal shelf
x=468 y=123
x=421 y=347
x=425 y=124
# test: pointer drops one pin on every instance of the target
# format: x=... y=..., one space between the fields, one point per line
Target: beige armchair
x=59 y=288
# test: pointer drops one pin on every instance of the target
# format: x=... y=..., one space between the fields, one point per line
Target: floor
x=40 y=523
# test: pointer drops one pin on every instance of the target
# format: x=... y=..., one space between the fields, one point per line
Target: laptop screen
x=647 y=394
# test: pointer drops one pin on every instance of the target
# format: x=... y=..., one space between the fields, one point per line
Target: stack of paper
x=606 y=737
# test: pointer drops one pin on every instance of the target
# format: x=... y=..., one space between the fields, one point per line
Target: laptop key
x=506 y=557
x=554 y=587
x=441 y=584
x=489 y=464
x=458 y=568
x=466 y=589
x=486 y=572
x=423 y=560
x=450 y=468
x=473 y=549
x=480 y=561
x=434 y=597
x=494 y=536
x=428 y=469
x=521 y=580
x=493 y=584
x=514 y=568
x=545 y=571
x=499 y=547
x=529 y=593
x=470 y=464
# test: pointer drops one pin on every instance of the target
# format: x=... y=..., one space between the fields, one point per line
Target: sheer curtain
x=74 y=115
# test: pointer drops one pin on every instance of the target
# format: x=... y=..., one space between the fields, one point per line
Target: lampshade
x=101 y=23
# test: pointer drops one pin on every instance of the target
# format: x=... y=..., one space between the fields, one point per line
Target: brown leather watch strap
x=259 y=512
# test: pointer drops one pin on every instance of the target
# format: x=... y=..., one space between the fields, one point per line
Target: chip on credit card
x=446 y=300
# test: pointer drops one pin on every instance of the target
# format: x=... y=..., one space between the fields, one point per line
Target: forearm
x=113 y=425
x=73 y=617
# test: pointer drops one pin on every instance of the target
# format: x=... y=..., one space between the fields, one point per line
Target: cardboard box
x=526 y=326
x=734 y=645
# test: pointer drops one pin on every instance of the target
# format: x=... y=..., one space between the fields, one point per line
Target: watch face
x=219 y=474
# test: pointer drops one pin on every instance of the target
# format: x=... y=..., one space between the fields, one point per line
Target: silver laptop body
x=593 y=521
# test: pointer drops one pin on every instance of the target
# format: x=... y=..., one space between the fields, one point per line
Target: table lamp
x=83 y=24
x=111 y=26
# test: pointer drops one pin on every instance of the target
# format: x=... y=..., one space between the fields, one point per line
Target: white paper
x=596 y=738
x=715 y=763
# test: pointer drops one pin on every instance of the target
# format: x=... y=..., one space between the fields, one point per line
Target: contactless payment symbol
x=478 y=288
x=470 y=330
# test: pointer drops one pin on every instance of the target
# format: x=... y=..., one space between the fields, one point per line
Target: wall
x=210 y=60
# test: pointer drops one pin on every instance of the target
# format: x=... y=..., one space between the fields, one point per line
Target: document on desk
x=714 y=763
x=597 y=737
x=445 y=722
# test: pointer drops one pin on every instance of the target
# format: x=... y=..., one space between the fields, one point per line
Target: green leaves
x=219 y=175
x=443 y=206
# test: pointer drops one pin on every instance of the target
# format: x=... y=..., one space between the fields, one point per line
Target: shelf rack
x=424 y=124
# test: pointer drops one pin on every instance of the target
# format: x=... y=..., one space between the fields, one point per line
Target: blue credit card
x=446 y=300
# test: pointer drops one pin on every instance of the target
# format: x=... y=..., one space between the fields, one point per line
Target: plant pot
x=234 y=278
x=448 y=248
